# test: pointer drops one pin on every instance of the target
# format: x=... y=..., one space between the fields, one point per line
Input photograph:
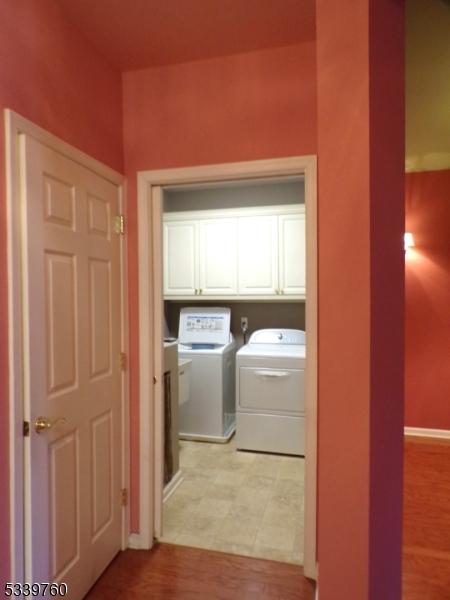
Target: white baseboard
x=214 y=439
x=134 y=541
x=443 y=434
x=169 y=489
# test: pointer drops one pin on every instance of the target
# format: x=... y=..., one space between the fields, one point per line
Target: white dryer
x=270 y=392
x=209 y=414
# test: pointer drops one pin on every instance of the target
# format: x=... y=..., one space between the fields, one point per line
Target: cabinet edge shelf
x=235 y=298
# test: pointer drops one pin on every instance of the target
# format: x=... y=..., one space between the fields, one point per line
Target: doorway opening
x=249 y=488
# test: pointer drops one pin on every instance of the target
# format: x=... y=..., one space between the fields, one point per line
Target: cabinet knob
x=201 y=291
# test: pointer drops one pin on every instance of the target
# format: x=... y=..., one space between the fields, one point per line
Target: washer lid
x=204 y=325
x=278 y=336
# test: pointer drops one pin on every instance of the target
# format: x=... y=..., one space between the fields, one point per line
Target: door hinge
x=120 y=224
x=26 y=428
x=124 y=497
x=123 y=361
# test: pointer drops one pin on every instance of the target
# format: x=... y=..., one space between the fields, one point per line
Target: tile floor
x=240 y=502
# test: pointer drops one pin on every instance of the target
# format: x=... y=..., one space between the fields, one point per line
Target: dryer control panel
x=278 y=336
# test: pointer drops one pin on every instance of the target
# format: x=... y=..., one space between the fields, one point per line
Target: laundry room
x=234 y=289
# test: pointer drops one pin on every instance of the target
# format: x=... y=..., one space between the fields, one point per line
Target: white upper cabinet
x=180 y=258
x=292 y=257
x=246 y=253
x=258 y=255
x=218 y=257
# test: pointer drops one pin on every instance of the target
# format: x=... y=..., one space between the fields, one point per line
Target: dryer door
x=272 y=390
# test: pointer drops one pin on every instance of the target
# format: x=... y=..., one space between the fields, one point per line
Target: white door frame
x=151 y=334
x=15 y=126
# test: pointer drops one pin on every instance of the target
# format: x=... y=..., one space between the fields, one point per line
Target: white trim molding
x=173 y=484
x=150 y=184
x=441 y=434
x=135 y=542
x=15 y=127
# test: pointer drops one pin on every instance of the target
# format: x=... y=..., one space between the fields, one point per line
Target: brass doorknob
x=44 y=423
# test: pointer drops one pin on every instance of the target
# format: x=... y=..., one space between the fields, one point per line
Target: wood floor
x=426 y=532
x=171 y=571
x=177 y=572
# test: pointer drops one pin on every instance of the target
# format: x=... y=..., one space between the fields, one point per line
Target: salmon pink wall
x=249 y=106
x=51 y=76
x=361 y=291
x=428 y=300
x=243 y=107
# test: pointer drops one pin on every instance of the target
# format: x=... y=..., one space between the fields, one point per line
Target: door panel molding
x=63 y=216
x=150 y=331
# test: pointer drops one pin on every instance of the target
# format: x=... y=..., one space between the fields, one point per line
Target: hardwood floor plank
x=170 y=571
x=426 y=520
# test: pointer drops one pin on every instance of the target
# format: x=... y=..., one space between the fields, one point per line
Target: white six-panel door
x=71 y=264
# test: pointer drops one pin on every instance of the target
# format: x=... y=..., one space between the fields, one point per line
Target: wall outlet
x=244 y=324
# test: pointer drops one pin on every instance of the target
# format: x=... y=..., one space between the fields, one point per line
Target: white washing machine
x=270 y=392
x=204 y=335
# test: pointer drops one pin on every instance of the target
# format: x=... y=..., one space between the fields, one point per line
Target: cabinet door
x=292 y=254
x=257 y=255
x=180 y=258
x=218 y=257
